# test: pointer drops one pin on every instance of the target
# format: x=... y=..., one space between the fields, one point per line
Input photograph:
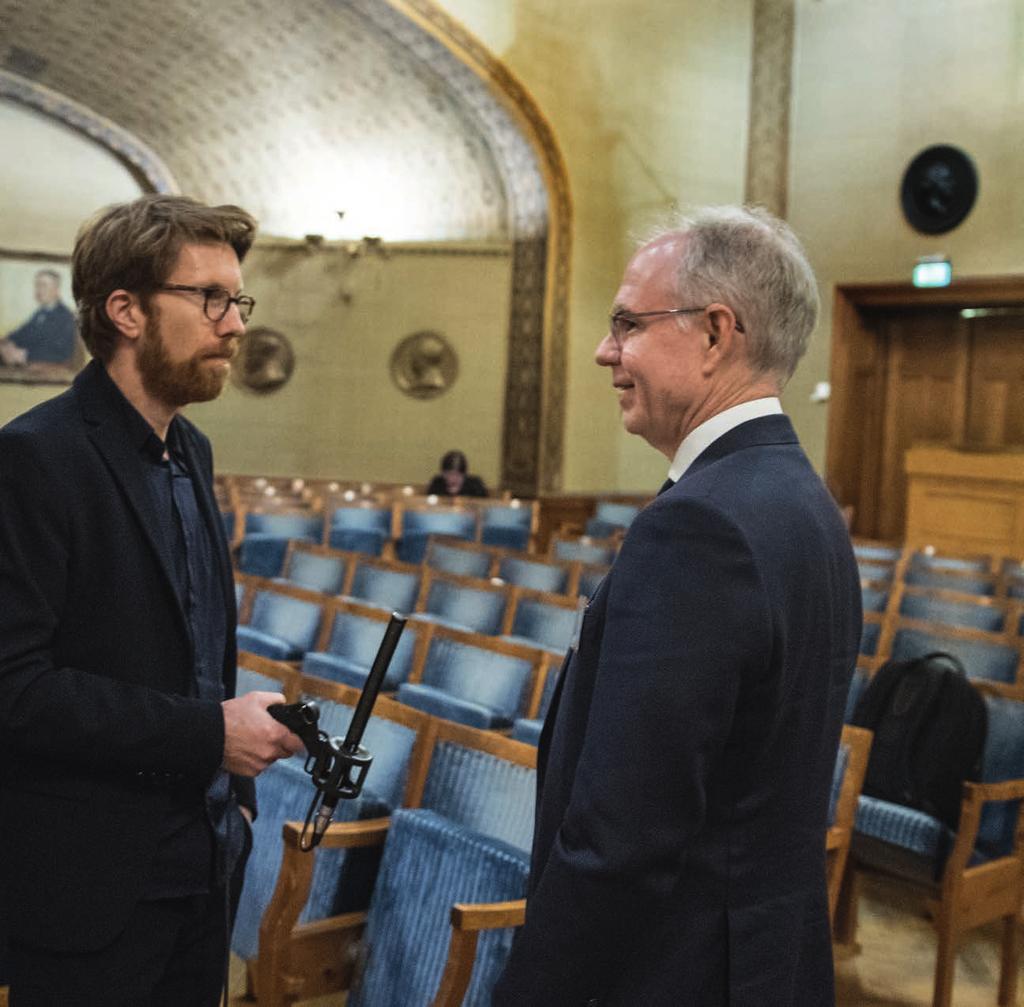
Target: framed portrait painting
x=39 y=340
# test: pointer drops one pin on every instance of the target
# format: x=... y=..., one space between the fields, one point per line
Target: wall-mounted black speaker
x=939 y=188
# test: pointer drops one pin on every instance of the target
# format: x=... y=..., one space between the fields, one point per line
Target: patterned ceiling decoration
x=386 y=110
x=294 y=110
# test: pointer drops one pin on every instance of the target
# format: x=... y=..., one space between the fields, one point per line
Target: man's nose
x=607 y=352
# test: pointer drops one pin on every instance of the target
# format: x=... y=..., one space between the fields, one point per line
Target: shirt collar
x=700 y=438
x=142 y=435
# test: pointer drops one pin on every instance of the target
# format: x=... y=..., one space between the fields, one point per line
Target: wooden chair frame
x=840 y=834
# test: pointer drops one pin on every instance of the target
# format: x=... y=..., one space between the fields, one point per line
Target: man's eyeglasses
x=622 y=323
x=216 y=301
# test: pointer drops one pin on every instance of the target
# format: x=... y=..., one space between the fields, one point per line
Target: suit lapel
x=106 y=429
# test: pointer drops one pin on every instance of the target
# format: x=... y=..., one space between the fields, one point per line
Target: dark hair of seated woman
x=455 y=480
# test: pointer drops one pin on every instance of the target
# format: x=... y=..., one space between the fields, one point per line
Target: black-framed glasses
x=622 y=323
x=217 y=301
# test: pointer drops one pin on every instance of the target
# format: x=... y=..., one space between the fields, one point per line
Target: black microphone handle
x=374 y=681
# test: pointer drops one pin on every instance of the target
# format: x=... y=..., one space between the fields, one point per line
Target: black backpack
x=929 y=724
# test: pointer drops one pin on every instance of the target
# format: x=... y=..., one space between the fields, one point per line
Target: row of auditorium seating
x=453 y=808
x=917 y=601
x=400 y=530
x=464 y=675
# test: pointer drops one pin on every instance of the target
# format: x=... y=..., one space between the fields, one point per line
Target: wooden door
x=944 y=366
x=925 y=398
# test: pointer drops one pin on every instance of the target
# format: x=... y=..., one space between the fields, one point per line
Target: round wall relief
x=265 y=361
x=424 y=365
x=939 y=189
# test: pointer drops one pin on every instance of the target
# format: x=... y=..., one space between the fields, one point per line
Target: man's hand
x=252 y=738
x=11 y=354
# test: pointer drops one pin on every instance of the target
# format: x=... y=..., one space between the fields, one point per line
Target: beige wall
x=649 y=100
x=341 y=415
x=875 y=82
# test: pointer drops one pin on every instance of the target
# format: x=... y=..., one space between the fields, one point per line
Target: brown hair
x=134 y=246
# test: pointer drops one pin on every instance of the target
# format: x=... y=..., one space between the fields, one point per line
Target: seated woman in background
x=453 y=480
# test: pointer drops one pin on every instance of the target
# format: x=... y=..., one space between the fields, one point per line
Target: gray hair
x=753 y=262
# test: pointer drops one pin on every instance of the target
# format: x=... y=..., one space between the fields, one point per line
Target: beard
x=176 y=384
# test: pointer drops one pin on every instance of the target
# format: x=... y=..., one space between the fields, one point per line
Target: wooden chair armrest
x=468 y=919
x=488 y=915
x=975 y=796
x=342 y=835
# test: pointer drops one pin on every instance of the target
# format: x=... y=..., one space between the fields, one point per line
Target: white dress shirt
x=710 y=430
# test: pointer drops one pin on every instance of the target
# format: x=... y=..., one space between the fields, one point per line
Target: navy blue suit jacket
x=686 y=762
x=97 y=723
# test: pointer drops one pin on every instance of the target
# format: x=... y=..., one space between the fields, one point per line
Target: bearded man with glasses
x=126 y=765
x=686 y=762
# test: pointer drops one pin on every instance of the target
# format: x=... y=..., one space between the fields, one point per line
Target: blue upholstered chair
x=876 y=553
x=360 y=528
x=429 y=865
x=977 y=873
x=386 y=587
x=477 y=607
x=1015 y=588
x=610 y=517
x=873 y=599
x=253 y=679
x=858 y=683
x=543 y=622
x=951 y=564
x=473 y=685
x=281 y=627
x=470 y=841
x=950 y=580
x=509 y=527
x=969 y=615
x=341 y=879
x=535 y=574
x=419 y=525
x=527 y=730
x=584 y=549
x=239 y=595
x=470 y=561
x=991 y=660
x=591 y=576
x=267 y=536
x=228 y=519
x=315 y=571
x=355 y=638
x=880 y=572
x=869 y=638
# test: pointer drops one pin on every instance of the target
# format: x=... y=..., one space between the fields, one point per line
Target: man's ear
x=720 y=336
x=125 y=310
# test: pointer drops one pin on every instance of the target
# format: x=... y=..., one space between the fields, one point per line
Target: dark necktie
x=666 y=485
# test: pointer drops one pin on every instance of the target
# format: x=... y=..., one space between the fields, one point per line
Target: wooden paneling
x=995 y=416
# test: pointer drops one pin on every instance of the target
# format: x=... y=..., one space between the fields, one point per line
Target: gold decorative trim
x=771 y=79
x=534 y=422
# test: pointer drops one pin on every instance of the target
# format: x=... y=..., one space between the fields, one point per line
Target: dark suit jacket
x=96 y=721
x=686 y=763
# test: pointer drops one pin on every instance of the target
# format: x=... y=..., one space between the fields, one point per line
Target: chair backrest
x=356 y=634
x=258 y=674
x=478 y=674
x=547 y=621
x=858 y=683
x=876 y=553
x=873 y=598
x=476 y=605
x=386 y=585
x=591 y=576
x=303 y=525
x=869 y=638
x=619 y=514
x=880 y=572
x=484 y=782
x=287 y=618
x=315 y=568
x=514 y=515
x=535 y=573
x=363 y=517
x=952 y=564
x=468 y=561
x=429 y=865
x=983 y=659
x=439 y=521
x=1003 y=760
x=933 y=608
x=950 y=580
x=583 y=549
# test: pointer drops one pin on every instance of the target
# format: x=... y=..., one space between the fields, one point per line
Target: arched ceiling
x=293 y=109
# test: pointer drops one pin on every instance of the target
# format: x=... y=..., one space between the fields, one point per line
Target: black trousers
x=171 y=954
